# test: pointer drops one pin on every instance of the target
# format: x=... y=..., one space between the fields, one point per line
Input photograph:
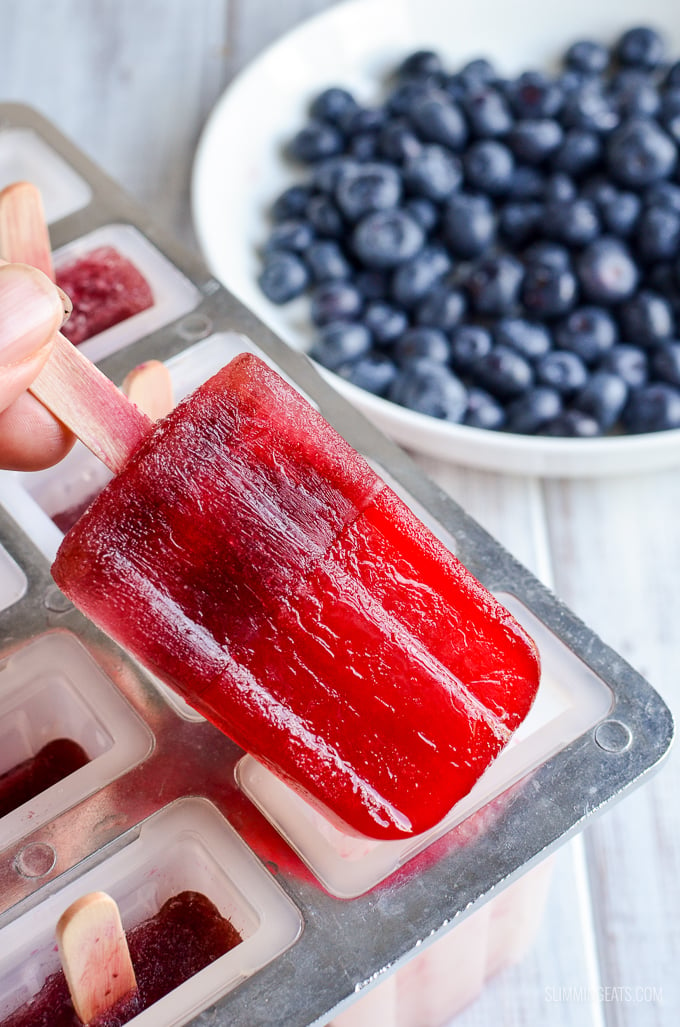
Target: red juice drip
x=52 y=763
x=105 y=289
x=186 y=935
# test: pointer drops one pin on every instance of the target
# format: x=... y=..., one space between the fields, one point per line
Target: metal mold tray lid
x=348 y=944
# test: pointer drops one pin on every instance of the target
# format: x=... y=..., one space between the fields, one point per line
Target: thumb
x=31 y=312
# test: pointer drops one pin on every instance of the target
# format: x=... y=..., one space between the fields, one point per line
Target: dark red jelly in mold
x=55 y=761
x=186 y=935
x=105 y=289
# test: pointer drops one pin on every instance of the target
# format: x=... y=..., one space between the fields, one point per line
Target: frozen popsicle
x=253 y=560
x=186 y=935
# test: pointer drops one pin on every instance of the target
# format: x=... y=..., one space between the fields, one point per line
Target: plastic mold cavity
x=187 y=846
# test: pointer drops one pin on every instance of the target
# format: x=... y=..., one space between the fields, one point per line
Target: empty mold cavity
x=25 y=156
x=172 y=294
x=188 y=846
x=12 y=580
x=52 y=689
x=571 y=699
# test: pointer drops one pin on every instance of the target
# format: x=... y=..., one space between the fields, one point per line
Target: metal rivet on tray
x=35 y=860
x=194 y=327
x=55 y=601
x=613 y=736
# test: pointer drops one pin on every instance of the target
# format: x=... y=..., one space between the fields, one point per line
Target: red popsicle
x=252 y=559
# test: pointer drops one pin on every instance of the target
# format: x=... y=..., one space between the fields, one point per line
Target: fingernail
x=66 y=303
x=31 y=311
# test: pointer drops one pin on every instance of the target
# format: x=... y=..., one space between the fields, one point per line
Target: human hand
x=31 y=313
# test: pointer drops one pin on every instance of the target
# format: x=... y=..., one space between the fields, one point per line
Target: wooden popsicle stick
x=94 y=955
x=149 y=387
x=24 y=235
x=77 y=393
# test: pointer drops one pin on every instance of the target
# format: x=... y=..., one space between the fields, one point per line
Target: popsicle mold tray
x=161 y=802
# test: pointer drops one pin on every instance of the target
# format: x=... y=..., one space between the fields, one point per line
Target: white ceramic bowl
x=239 y=171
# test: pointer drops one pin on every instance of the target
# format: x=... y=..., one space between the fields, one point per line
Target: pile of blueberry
x=502 y=253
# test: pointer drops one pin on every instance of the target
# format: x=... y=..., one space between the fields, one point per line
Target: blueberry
x=571 y=424
x=627 y=361
x=333 y=105
x=405 y=95
x=363 y=146
x=504 y=372
x=534 y=140
x=295 y=236
x=527 y=337
x=340 y=343
x=387 y=238
x=657 y=234
x=468 y=224
x=368 y=187
x=489 y=167
x=374 y=372
x=562 y=370
x=438 y=119
x=420 y=64
x=639 y=152
x=579 y=152
x=327 y=174
x=587 y=107
x=665 y=361
x=384 y=321
x=530 y=411
x=548 y=291
x=487 y=112
x=669 y=114
x=619 y=211
x=635 y=93
x=476 y=73
x=528 y=183
x=326 y=261
x=654 y=407
x=673 y=75
x=423 y=211
x=663 y=194
x=372 y=283
x=443 y=307
x=416 y=277
x=469 y=342
x=315 y=141
x=587 y=331
x=519 y=221
x=335 y=301
x=283 y=276
x=430 y=389
x=560 y=188
x=494 y=284
x=587 y=56
x=603 y=398
x=641 y=47
x=548 y=254
x=421 y=342
x=397 y=141
x=361 y=120
x=573 y=222
x=535 y=95
x=483 y=410
x=606 y=271
x=433 y=172
x=646 y=319
x=292 y=203
x=325 y=218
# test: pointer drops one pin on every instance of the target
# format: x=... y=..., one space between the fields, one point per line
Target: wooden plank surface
x=131 y=82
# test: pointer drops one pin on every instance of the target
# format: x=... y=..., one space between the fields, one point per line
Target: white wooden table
x=131 y=82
